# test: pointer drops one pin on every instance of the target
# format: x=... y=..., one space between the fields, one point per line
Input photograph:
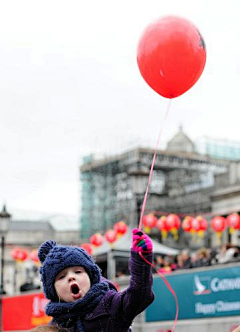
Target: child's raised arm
x=125 y=306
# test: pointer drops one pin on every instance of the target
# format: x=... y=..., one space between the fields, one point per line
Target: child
x=82 y=300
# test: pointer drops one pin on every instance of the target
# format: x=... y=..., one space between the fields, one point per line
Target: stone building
x=180 y=143
x=27 y=235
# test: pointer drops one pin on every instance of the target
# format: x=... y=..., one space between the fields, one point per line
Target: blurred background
x=79 y=128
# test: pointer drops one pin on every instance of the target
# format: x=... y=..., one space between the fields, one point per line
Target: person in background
x=179 y=261
x=167 y=268
x=159 y=262
x=194 y=260
x=201 y=258
x=185 y=259
x=228 y=253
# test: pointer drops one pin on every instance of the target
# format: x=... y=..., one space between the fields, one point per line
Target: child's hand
x=237 y=329
x=141 y=242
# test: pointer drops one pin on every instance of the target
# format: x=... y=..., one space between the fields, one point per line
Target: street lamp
x=4 y=228
x=139 y=175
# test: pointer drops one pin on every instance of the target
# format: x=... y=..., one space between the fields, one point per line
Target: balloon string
x=153 y=163
x=142 y=212
x=168 y=286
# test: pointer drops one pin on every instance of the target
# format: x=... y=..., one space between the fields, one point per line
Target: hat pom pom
x=44 y=249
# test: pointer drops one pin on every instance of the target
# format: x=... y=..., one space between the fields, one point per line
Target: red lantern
x=120 y=228
x=96 y=239
x=173 y=223
x=87 y=247
x=187 y=224
x=162 y=226
x=233 y=222
x=195 y=225
x=199 y=225
x=34 y=256
x=203 y=226
x=218 y=225
x=23 y=255
x=111 y=236
x=14 y=254
x=171 y=55
x=149 y=221
x=19 y=255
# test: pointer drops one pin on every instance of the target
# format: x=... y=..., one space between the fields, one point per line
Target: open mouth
x=75 y=289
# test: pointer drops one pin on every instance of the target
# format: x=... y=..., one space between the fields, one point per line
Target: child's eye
x=78 y=271
x=61 y=277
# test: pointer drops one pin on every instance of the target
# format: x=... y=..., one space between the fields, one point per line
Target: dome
x=180 y=143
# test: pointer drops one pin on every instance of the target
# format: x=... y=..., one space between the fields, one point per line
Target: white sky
x=70 y=86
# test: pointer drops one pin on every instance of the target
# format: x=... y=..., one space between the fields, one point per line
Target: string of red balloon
x=141 y=221
x=152 y=166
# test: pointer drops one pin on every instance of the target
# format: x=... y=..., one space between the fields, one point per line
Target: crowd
x=201 y=258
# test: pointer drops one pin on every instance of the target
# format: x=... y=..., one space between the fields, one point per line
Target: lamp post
x=4 y=228
x=139 y=200
x=139 y=175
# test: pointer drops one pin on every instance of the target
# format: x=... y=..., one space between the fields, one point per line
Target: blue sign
x=202 y=294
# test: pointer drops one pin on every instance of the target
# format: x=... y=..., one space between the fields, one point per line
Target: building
x=113 y=188
x=27 y=235
x=216 y=148
x=181 y=143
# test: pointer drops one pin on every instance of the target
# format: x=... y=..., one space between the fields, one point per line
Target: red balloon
x=171 y=55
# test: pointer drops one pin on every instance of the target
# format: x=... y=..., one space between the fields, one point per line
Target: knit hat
x=55 y=258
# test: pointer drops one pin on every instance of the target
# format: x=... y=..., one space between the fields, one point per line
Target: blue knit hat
x=55 y=258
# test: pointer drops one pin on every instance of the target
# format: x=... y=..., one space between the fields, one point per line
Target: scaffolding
x=113 y=188
x=216 y=148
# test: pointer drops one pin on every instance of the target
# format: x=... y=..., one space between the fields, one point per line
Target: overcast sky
x=70 y=86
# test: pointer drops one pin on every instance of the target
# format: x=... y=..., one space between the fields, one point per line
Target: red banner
x=24 y=312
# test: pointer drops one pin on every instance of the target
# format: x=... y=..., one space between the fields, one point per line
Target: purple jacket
x=116 y=311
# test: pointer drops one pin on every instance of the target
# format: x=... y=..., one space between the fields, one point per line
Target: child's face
x=72 y=283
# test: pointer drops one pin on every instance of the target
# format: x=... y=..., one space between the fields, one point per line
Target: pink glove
x=141 y=242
